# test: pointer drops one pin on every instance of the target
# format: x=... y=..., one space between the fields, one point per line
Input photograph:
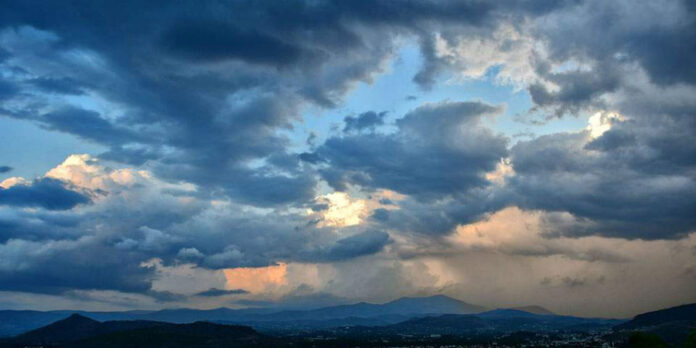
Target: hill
x=535 y=310
x=406 y=307
x=15 y=322
x=80 y=331
x=493 y=322
x=673 y=324
x=684 y=314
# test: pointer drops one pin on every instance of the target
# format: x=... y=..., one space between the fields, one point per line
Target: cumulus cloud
x=439 y=149
x=613 y=185
x=134 y=217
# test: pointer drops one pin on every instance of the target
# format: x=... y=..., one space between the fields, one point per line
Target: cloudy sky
x=308 y=153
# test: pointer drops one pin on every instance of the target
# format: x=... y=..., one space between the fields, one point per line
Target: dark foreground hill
x=79 y=331
x=681 y=314
x=500 y=321
x=673 y=324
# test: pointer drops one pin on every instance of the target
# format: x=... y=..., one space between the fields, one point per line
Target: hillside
x=80 y=331
x=16 y=322
x=681 y=314
x=496 y=322
x=673 y=324
x=534 y=309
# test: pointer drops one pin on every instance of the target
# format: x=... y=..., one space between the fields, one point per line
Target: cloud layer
x=207 y=176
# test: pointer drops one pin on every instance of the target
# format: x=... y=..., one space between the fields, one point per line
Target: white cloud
x=601 y=121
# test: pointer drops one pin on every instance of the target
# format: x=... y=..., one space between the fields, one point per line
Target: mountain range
x=490 y=322
x=15 y=322
x=427 y=319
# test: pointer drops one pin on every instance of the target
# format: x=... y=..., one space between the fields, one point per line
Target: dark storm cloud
x=211 y=41
x=88 y=125
x=621 y=186
x=625 y=31
x=46 y=193
x=58 y=85
x=441 y=217
x=7 y=90
x=366 y=120
x=361 y=244
x=212 y=292
x=4 y=54
x=612 y=39
x=636 y=180
x=578 y=89
x=272 y=190
x=439 y=149
x=309 y=157
x=380 y=214
x=37 y=226
x=57 y=266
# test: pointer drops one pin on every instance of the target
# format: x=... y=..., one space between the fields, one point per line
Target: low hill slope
x=80 y=331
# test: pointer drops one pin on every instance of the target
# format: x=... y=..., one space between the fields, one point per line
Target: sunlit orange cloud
x=256 y=280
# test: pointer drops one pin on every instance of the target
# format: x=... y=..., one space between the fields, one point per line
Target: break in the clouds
x=232 y=153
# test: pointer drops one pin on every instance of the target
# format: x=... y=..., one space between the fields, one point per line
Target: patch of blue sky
x=395 y=92
x=32 y=150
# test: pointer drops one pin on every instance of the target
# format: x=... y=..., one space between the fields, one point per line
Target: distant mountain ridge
x=535 y=310
x=15 y=322
x=491 y=322
x=405 y=306
x=406 y=317
x=364 y=314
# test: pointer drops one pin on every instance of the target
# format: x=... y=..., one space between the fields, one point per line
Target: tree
x=646 y=340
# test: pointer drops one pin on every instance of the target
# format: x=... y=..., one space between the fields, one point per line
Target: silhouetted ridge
x=492 y=322
x=683 y=313
x=71 y=328
x=673 y=325
x=80 y=331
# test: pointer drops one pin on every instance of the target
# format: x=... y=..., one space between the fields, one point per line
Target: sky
x=300 y=154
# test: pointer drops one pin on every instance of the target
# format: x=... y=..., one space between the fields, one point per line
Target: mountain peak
x=534 y=310
x=438 y=297
x=78 y=318
x=72 y=327
x=433 y=304
x=75 y=320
